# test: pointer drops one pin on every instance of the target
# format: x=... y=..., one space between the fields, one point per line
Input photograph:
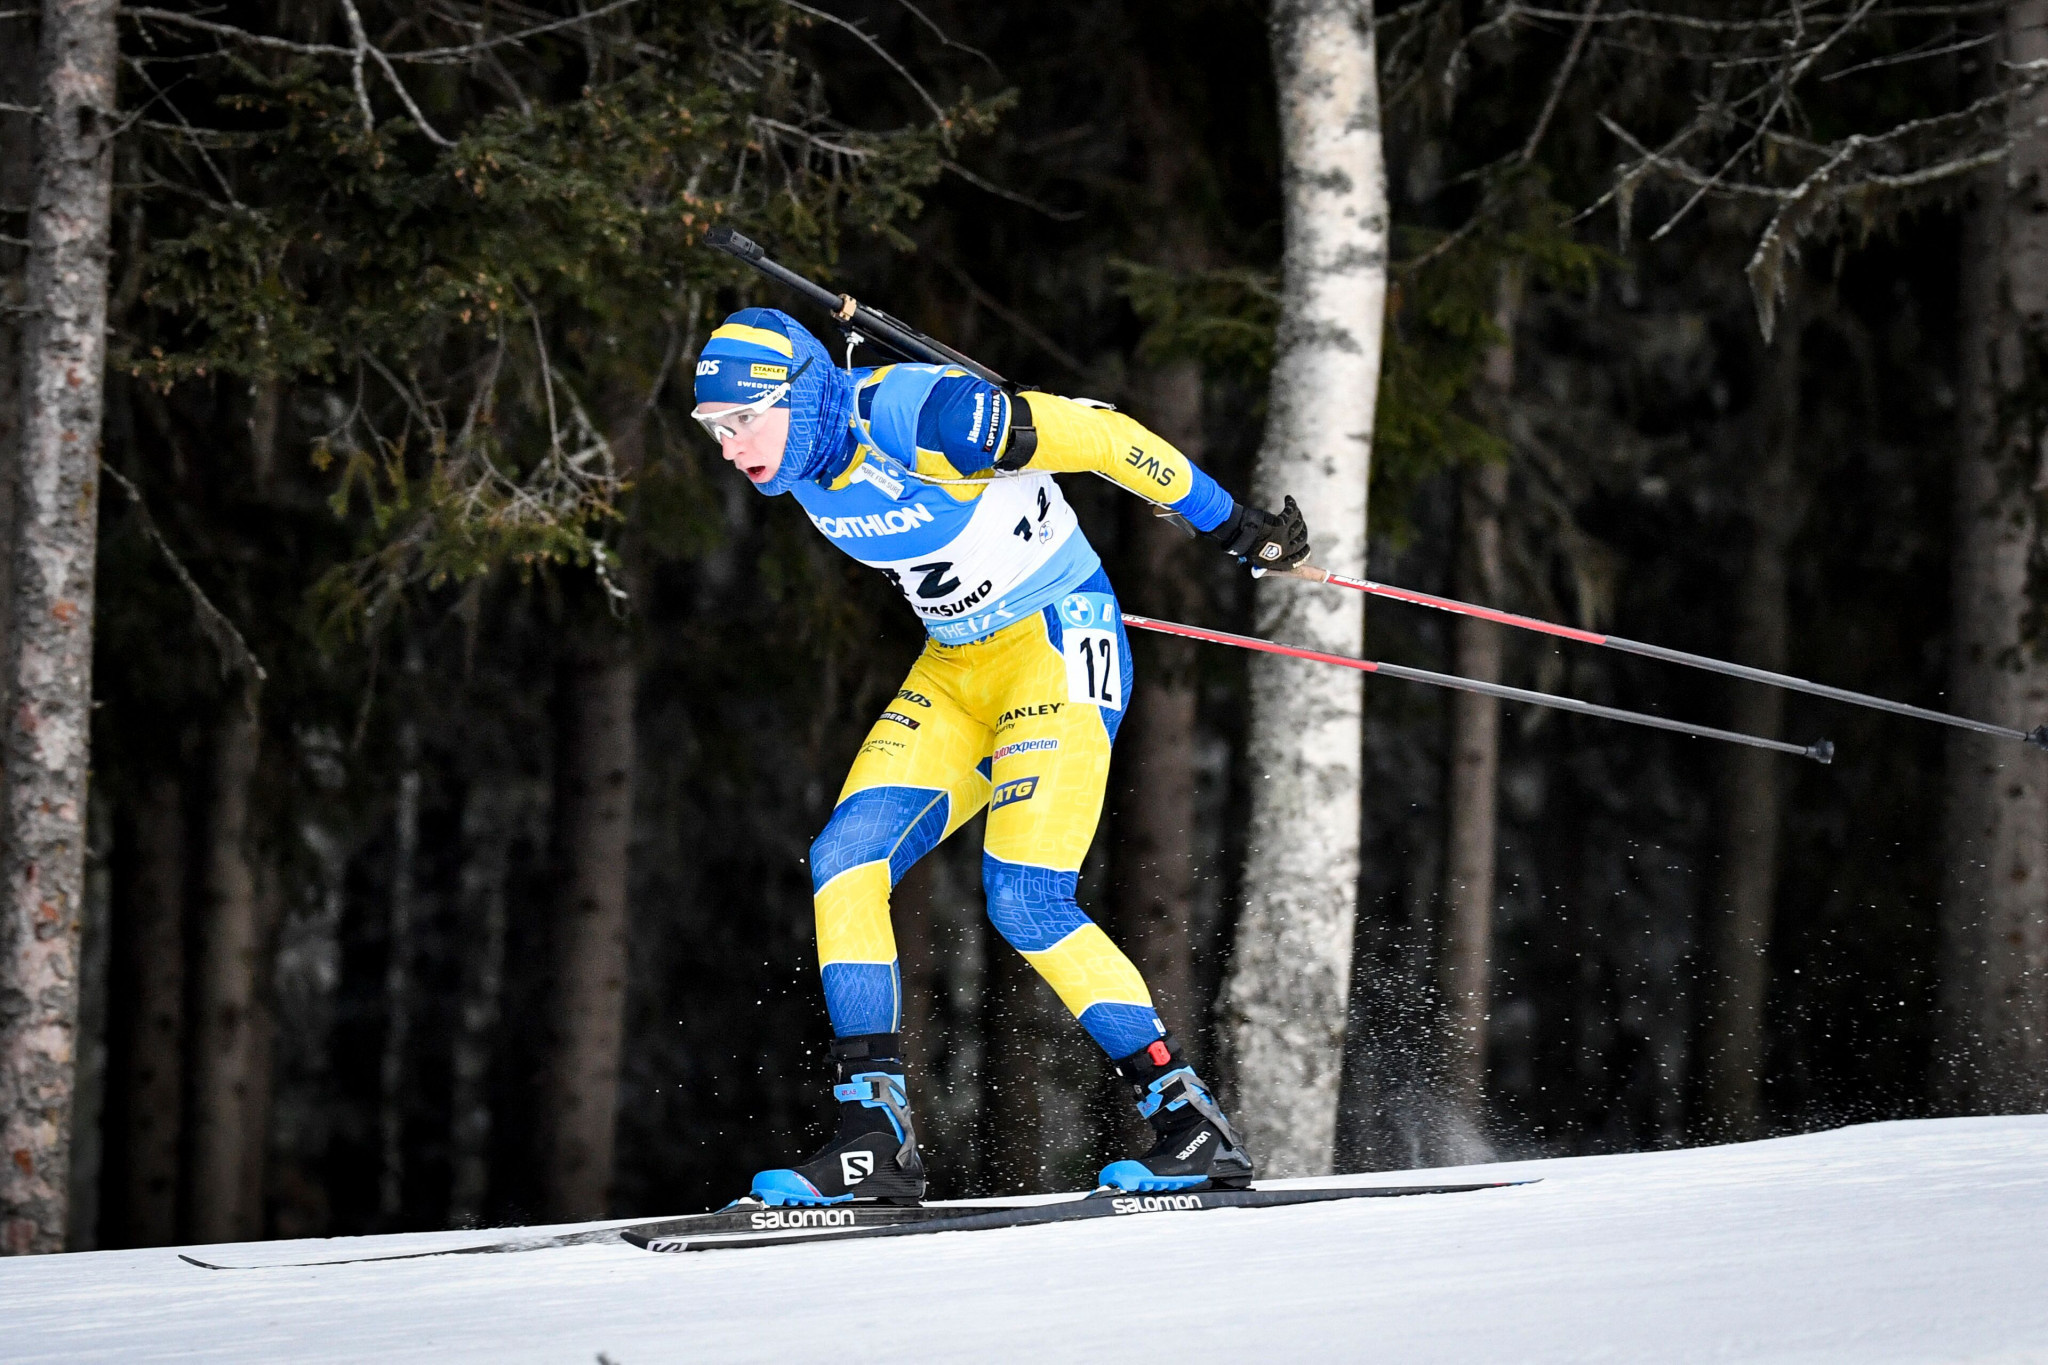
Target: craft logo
x=1026 y=746
x=855 y=1167
x=1018 y=789
x=899 y=718
x=760 y=371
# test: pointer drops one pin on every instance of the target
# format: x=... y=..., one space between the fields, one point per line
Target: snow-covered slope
x=1919 y=1241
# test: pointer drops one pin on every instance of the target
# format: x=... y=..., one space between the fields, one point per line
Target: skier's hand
x=1261 y=539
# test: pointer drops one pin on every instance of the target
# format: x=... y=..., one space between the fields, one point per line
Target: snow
x=1911 y=1241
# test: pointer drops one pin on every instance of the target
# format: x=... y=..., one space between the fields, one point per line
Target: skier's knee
x=897 y=824
x=1032 y=907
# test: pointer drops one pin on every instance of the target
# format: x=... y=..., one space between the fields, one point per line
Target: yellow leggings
x=996 y=723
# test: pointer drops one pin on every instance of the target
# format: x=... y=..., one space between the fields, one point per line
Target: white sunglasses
x=729 y=423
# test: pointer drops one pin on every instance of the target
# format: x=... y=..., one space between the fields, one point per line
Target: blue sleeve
x=1205 y=504
x=964 y=419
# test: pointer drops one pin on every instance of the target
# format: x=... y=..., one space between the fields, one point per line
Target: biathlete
x=942 y=481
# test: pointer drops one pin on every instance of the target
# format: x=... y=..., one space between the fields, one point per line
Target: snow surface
x=1920 y=1241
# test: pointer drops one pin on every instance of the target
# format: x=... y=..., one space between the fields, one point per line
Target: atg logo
x=1017 y=789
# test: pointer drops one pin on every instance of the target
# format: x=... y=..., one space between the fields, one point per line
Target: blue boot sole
x=784 y=1189
x=1134 y=1177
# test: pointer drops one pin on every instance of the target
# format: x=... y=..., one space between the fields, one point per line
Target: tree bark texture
x=17 y=87
x=1282 y=1014
x=492 y=817
x=1472 y=841
x=230 y=1091
x=1993 y=1048
x=594 y=806
x=398 y=965
x=152 y=1076
x=1751 y=780
x=49 y=645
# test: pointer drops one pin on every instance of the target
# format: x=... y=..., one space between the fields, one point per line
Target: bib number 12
x=1094 y=673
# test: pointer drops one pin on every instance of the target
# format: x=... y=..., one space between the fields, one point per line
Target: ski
x=1101 y=1204
x=740 y=1216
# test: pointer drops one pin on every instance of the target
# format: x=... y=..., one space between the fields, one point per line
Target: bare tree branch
x=236 y=658
x=947 y=39
x=1057 y=215
x=869 y=42
x=1564 y=75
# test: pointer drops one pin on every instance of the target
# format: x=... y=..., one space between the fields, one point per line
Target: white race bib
x=1095 y=675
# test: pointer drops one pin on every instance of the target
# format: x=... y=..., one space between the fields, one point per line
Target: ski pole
x=1820 y=751
x=2038 y=736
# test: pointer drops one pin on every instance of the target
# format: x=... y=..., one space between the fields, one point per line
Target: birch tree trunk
x=17 y=87
x=152 y=1078
x=1283 y=1005
x=594 y=805
x=1994 y=989
x=230 y=1081
x=1473 y=840
x=1751 y=780
x=49 y=647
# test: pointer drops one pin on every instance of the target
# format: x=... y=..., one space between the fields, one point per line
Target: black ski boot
x=874 y=1154
x=1197 y=1148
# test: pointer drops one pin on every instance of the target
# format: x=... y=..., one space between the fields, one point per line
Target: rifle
x=857 y=322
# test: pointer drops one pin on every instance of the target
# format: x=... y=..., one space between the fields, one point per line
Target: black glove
x=1261 y=539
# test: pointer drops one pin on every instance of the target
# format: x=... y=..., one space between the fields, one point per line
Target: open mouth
x=757 y=472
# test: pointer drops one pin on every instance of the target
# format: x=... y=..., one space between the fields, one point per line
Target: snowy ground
x=1891 y=1242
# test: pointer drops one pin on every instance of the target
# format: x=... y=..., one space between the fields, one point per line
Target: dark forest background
x=410 y=806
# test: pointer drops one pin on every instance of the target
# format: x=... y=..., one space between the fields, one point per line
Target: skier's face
x=753 y=441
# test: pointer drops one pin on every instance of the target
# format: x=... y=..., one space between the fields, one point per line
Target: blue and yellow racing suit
x=1019 y=692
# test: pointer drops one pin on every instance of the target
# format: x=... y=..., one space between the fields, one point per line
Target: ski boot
x=1197 y=1148
x=874 y=1154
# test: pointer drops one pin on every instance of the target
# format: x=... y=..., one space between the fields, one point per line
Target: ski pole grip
x=734 y=244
